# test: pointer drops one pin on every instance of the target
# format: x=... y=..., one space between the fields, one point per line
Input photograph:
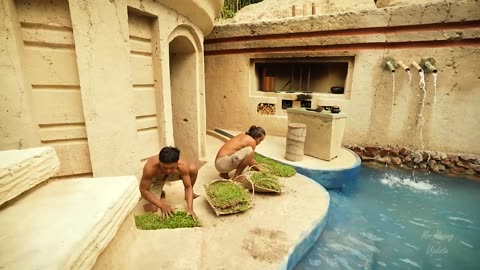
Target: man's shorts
x=158 y=182
x=228 y=163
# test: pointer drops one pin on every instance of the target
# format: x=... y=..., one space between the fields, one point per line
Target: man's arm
x=145 y=184
x=187 y=183
x=251 y=142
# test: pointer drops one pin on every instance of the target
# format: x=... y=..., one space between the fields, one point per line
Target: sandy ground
x=259 y=238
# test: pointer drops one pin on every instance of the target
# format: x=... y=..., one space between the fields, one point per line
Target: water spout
x=393 y=89
x=415 y=65
x=431 y=67
x=402 y=65
x=420 y=120
x=390 y=66
x=434 y=89
x=428 y=65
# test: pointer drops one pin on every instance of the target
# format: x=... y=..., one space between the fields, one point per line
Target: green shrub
x=151 y=221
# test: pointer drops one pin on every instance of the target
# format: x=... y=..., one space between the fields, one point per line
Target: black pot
x=337 y=90
x=335 y=109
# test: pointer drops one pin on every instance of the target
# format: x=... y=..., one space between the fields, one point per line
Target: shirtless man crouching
x=167 y=166
x=238 y=152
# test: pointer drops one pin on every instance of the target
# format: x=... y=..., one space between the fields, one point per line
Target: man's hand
x=166 y=209
x=192 y=214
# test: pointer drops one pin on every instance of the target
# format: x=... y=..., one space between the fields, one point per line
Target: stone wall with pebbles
x=446 y=163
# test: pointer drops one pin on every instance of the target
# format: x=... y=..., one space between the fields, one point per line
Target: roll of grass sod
x=152 y=221
x=227 y=197
x=265 y=182
x=275 y=167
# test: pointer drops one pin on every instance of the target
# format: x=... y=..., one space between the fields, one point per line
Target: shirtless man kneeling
x=167 y=166
x=238 y=152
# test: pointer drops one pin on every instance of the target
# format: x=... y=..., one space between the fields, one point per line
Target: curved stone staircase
x=61 y=224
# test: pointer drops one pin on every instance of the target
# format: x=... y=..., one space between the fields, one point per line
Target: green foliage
x=227 y=13
x=265 y=180
x=151 y=221
x=275 y=167
x=231 y=7
x=228 y=195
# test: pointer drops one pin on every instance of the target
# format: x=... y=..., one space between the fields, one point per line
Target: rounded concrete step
x=20 y=170
x=65 y=224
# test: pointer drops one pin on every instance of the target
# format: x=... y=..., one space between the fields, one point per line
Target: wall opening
x=184 y=97
x=301 y=75
x=287 y=103
x=266 y=108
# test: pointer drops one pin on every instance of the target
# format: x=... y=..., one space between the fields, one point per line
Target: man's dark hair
x=255 y=132
x=169 y=155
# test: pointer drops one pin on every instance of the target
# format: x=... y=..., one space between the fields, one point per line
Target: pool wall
x=309 y=238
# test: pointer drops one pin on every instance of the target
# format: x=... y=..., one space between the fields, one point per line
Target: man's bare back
x=239 y=152
x=236 y=143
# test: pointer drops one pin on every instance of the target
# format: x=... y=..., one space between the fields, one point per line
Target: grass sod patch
x=276 y=167
x=151 y=221
x=265 y=180
x=228 y=197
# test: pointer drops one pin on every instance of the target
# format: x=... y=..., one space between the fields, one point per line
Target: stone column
x=102 y=46
x=17 y=128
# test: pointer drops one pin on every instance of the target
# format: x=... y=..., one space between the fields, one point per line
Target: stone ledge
x=20 y=170
x=65 y=224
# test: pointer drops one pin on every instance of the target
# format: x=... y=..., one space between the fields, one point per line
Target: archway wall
x=98 y=112
x=186 y=91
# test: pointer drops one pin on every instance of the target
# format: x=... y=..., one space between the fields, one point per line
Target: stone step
x=20 y=170
x=65 y=224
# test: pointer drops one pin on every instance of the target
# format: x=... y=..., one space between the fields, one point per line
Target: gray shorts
x=228 y=163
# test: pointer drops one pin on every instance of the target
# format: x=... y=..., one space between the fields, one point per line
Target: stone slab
x=21 y=170
x=65 y=224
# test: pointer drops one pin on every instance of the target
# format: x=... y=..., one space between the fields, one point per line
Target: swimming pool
x=395 y=219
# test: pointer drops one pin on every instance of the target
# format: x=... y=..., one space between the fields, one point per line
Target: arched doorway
x=185 y=102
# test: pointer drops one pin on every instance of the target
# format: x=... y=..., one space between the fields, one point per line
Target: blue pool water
x=393 y=219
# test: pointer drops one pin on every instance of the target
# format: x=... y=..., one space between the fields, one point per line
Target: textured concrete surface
x=21 y=170
x=64 y=224
x=260 y=238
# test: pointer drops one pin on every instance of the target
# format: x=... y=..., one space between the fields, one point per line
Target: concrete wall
x=447 y=31
x=92 y=79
